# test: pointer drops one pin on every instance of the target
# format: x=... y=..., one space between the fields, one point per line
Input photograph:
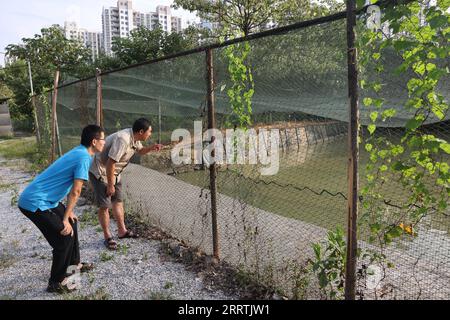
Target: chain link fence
x=266 y=223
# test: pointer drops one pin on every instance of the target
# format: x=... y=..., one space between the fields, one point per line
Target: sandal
x=59 y=287
x=129 y=234
x=110 y=244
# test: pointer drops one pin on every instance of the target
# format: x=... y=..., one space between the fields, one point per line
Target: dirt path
x=136 y=271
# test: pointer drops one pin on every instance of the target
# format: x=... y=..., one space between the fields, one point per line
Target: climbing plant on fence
x=417 y=158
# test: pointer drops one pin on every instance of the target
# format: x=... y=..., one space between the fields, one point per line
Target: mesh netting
x=267 y=223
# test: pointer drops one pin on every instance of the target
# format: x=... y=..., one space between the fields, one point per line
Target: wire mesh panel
x=43 y=116
x=282 y=182
x=289 y=186
x=172 y=95
x=76 y=108
x=417 y=263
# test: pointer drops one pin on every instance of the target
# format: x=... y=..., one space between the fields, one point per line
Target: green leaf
x=401 y=45
x=389 y=113
x=445 y=147
x=413 y=124
x=376 y=55
x=398 y=166
x=371 y=128
x=419 y=68
x=375 y=227
x=443 y=4
x=437 y=110
x=438 y=21
x=367 y=101
x=360 y=3
x=374 y=116
x=323 y=281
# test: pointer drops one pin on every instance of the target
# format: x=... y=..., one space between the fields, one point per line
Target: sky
x=25 y=18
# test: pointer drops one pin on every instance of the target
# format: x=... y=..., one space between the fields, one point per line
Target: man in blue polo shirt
x=41 y=203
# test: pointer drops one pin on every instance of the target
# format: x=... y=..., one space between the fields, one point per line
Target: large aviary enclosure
x=267 y=224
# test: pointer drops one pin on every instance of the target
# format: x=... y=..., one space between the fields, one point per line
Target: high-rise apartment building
x=119 y=21
x=91 y=40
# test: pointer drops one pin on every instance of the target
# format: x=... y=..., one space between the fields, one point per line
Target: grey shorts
x=101 y=200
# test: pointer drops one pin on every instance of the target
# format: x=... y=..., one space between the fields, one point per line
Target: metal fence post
x=352 y=245
x=54 y=123
x=36 y=120
x=99 y=109
x=212 y=168
x=159 y=121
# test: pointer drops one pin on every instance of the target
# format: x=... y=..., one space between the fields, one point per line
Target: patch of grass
x=105 y=256
x=168 y=285
x=91 y=278
x=18 y=148
x=99 y=294
x=25 y=148
x=15 y=244
x=123 y=249
x=89 y=218
x=6 y=186
x=158 y=295
x=99 y=229
x=14 y=196
x=6 y=260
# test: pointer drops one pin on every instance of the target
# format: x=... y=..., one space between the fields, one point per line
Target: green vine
x=242 y=85
x=417 y=160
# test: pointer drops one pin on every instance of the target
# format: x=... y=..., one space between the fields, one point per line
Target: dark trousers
x=66 y=250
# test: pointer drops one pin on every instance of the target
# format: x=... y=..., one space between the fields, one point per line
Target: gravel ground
x=136 y=271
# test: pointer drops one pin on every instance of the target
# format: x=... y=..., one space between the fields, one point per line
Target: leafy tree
x=142 y=44
x=249 y=16
x=14 y=79
x=145 y=44
x=51 y=50
x=239 y=16
x=47 y=52
x=292 y=11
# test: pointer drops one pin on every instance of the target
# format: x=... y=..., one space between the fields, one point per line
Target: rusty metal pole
x=99 y=109
x=36 y=120
x=58 y=139
x=54 y=98
x=33 y=104
x=159 y=121
x=212 y=168
x=352 y=245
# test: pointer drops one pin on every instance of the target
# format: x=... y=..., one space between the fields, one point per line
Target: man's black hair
x=141 y=124
x=90 y=133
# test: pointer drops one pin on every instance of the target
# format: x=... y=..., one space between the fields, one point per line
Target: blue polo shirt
x=51 y=186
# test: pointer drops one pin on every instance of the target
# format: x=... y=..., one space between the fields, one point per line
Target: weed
x=105 y=256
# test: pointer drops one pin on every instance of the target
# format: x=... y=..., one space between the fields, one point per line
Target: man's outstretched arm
x=145 y=150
